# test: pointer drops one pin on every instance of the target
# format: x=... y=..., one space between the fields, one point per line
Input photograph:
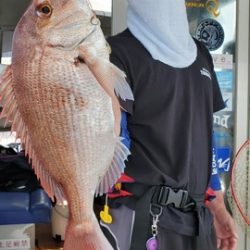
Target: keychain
x=152 y=243
x=104 y=214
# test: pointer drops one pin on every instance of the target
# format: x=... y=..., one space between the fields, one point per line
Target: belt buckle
x=168 y=196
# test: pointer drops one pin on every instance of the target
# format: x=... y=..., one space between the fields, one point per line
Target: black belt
x=159 y=196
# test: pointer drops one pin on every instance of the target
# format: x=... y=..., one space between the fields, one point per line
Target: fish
x=60 y=95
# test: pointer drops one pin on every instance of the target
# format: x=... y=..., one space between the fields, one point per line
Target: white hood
x=162 y=27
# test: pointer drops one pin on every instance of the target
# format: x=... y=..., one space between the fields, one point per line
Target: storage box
x=17 y=237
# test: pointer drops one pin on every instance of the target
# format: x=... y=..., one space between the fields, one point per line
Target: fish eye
x=44 y=10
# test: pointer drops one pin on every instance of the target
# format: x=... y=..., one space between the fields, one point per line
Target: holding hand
x=224 y=224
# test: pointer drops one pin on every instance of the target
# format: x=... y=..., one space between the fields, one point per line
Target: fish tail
x=85 y=236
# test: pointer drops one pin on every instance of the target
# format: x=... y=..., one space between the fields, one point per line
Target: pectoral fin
x=111 y=79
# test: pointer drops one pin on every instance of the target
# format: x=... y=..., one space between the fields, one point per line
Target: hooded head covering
x=162 y=27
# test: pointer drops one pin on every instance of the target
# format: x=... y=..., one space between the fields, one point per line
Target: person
x=160 y=200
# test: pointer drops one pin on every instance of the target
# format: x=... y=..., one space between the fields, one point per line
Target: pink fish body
x=59 y=96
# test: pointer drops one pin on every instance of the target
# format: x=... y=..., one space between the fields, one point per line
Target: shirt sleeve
x=117 y=58
x=215 y=183
x=124 y=130
x=218 y=103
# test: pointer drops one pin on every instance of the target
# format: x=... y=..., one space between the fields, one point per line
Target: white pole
x=119 y=9
x=242 y=90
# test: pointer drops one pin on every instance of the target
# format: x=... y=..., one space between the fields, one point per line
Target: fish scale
x=59 y=96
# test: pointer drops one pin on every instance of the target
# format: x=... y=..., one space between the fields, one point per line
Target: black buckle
x=178 y=197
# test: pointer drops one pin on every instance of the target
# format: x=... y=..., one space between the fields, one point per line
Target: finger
x=224 y=244
x=218 y=243
x=232 y=243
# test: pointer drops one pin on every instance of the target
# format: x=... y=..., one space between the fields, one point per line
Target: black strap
x=159 y=195
x=142 y=220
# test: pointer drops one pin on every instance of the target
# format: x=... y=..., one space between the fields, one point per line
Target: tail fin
x=85 y=237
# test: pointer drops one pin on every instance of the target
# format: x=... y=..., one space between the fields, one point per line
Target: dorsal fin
x=12 y=115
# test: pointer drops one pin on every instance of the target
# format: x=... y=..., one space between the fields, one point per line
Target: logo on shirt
x=211 y=33
x=206 y=73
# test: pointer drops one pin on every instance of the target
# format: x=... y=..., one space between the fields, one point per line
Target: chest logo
x=206 y=73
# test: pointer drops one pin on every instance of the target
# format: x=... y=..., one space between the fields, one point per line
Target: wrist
x=217 y=204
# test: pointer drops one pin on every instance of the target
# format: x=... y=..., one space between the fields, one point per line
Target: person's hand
x=224 y=224
x=225 y=230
